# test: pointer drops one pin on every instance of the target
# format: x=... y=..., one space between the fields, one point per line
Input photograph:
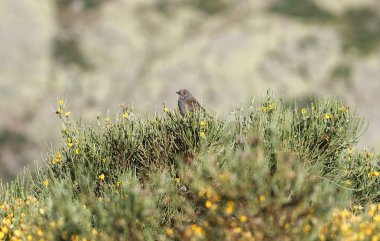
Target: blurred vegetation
x=305 y=10
x=67 y=52
x=11 y=142
x=86 y=4
x=211 y=7
x=66 y=48
x=91 y=37
x=341 y=72
x=272 y=172
x=207 y=7
x=359 y=27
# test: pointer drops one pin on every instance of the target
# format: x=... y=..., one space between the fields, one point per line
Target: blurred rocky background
x=97 y=54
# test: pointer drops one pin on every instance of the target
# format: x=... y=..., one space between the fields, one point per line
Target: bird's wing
x=193 y=104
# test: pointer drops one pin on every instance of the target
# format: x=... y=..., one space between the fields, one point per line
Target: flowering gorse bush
x=272 y=172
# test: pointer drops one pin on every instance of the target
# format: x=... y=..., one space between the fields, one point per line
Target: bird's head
x=183 y=93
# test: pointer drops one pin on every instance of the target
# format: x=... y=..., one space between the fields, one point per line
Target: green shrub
x=245 y=200
x=271 y=173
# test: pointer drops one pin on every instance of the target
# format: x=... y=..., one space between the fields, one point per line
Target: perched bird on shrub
x=187 y=103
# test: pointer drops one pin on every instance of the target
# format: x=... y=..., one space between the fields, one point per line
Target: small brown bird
x=187 y=103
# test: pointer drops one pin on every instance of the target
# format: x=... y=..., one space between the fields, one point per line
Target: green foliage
x=303 y=9
x=87 y=4
x=360 y=173
x=360 y=30
x=272 y=172
x=210 y=7
x=254 y=201
x=342 y=71
x=358 y=27
x=324 y=131
x=68 y=52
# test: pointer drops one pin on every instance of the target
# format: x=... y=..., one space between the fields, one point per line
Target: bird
x=187 y=103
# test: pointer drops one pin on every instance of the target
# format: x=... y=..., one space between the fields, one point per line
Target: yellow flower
x=77 y=151
x=197 y=229
x=42 y=211
x=307 y=228
x=104 y=160
x=107 y=119
x=322 y=237
x=376 y=218
x=125 y=115
x=328 y=116
x=268 y=108
x=243 y=218
x=40 y=232
x=372 y=210
x=262 y=198
x=70 y=145
x=166 y=109
x=68 y=114
x=373 y=174
x=237 y=230
x=230 y=207
x=102 y=176
x=5 y=229
x=55 y=161
x=53 y=224
x=29 y=238
x=58 y=157
x=61 y=102
x=345 y=228
x=169 y=232
x=208 y=204
x=17 y=233
x=177 y=179
x=205 y=191
x=366 y=228
x=74 y=238
x=342 y=109
x=303 y=111
x=202 y=134
x=46 y=183
x=2 y=235
x=203 y=123
x=358 y=207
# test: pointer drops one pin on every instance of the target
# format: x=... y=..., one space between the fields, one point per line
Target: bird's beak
x=177 y=92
